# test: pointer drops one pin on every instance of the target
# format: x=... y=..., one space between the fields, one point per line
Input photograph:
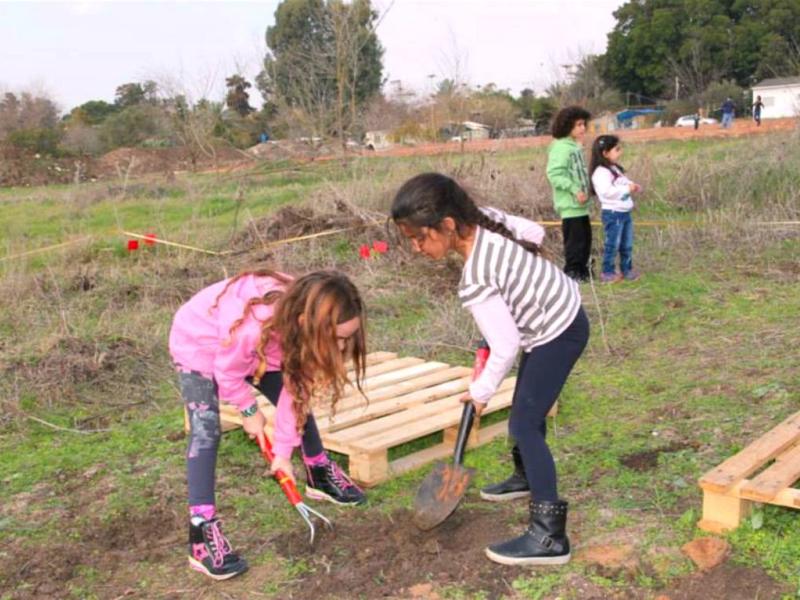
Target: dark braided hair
x=427 y=199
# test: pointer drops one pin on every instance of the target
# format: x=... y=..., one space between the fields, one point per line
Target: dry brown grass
x=90 y=329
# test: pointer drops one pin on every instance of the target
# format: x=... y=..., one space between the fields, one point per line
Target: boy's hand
x=282 y=464
x=254 y=426
x=581 y=197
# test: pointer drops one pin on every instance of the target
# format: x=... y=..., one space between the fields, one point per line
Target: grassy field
x=684 y=368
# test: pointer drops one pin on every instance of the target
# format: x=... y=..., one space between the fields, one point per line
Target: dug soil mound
x=290 y=222
x=380 y=556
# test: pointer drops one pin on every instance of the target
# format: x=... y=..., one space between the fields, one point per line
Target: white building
x=781 y=97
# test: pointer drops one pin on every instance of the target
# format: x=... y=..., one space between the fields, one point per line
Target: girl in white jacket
x=615 y=192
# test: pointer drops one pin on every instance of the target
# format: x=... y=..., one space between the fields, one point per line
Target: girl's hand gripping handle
x=283 y=478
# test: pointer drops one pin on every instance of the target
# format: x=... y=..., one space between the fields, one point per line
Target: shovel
x=442 y=490
x=290 y=489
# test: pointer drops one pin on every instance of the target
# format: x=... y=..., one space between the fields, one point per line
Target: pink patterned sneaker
x=210 y=552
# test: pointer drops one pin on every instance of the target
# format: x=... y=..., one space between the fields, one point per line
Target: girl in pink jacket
x=287 y=338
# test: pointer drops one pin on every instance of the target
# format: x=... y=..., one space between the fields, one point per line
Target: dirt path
x=740 y=127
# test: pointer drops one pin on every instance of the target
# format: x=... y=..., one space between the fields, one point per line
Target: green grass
x=700 y=355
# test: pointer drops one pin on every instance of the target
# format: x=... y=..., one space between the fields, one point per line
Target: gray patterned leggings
x=201 y=399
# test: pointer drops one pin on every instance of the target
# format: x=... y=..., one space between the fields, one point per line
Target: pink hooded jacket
x=200 y=340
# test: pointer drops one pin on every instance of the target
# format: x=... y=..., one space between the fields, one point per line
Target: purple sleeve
x=500 y=331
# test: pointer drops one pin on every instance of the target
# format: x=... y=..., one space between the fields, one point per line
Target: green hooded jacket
x=567 y=174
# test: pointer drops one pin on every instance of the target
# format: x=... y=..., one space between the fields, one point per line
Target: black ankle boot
x=544 y=542
x=512 y=488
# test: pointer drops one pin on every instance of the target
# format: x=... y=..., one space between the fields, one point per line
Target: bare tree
x=193 y=118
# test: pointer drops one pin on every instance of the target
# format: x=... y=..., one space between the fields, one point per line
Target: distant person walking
x=728 y=110
x=757 y=106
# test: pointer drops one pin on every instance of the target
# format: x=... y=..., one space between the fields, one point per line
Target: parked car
x=688 y=121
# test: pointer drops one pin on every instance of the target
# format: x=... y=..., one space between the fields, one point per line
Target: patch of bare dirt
x=62 y=371
x=49 y=570
x=726 y=582
x=378 y=556
x=648 y=459
x=137 y=161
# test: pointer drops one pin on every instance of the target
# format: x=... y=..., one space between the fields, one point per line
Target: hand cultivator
x=290 y=490
x=442 y=490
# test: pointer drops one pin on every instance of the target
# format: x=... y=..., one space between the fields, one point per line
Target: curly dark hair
x=566 y=118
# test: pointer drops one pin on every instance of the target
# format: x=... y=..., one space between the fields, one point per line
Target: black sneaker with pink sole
x=210 y=552
x=328 y=482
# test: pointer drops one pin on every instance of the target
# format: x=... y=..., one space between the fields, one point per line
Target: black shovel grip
x=464 y=428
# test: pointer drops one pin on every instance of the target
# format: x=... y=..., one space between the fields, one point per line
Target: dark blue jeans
x=618 y=229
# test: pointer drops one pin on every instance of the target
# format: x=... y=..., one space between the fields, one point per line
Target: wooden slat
x=749 y=460
x=400 y=374
x=399 y=388
x=409 y=419
x=392 y=405
x=388 y=385
x=386 y=366
x=425 y=426
x=373 y=358
x=778 y=476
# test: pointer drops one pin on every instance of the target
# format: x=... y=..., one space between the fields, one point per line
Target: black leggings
x=202 y=405
x=270 y=387
x=542 y=373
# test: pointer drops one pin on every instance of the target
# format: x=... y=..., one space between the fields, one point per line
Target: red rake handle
x=283 y=479
x=468 y=414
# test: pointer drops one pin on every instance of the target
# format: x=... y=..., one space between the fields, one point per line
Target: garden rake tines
x=290 y=490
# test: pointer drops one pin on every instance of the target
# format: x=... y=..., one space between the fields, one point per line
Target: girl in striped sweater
x=519 y=300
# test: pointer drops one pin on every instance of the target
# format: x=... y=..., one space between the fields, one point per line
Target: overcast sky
x=79 y=51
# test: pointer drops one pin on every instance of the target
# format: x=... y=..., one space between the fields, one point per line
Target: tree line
x=322 y=77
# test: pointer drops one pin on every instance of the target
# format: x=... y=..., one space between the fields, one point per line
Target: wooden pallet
x=730 y=489
x=409 y=398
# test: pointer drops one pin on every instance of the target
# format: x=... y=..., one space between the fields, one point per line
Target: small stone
x=423 y=591
x=707 y=552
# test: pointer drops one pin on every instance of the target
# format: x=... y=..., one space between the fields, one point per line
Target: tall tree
x=697 y=42
x=237 y=98
x=324 y=61
x=131 y=94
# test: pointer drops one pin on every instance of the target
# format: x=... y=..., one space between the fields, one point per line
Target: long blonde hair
x=306 y=314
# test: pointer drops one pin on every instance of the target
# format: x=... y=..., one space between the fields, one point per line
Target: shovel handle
x=464 y=428
x=468 y=414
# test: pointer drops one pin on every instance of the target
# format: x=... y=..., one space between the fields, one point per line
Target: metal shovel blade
x=440 y=493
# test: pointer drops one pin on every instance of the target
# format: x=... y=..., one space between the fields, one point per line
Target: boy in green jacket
x=566 y=171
